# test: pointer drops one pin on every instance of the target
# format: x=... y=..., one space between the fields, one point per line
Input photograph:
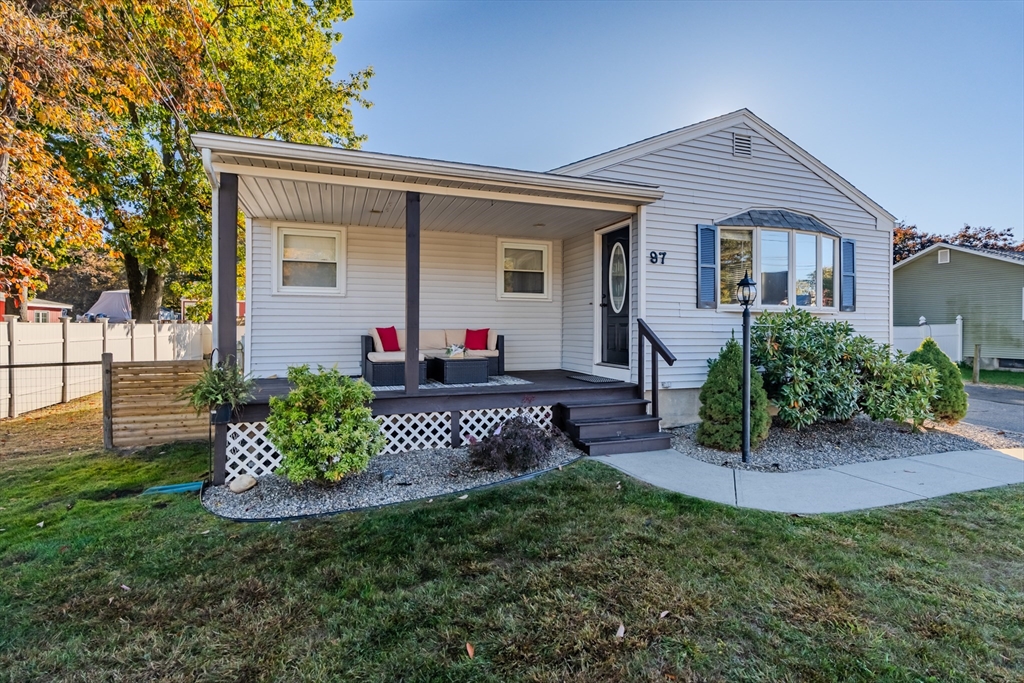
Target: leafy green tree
x=950 y=401
x=721 y=403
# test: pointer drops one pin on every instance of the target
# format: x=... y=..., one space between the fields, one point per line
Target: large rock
x=242 y=484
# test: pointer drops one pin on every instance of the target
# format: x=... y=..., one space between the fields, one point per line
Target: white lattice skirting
x=479 y=423
x=249 y=450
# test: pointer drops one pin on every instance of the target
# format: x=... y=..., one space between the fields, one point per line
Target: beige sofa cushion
x=432 y=339
x=433 y=353
x=377 y=345
x=388 y=356
x=492 y=340
x=488 y=353
x=455 y=337
x=401 y=339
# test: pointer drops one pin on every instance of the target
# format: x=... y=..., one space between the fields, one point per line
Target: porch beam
x=353 y=181
x=412 y=293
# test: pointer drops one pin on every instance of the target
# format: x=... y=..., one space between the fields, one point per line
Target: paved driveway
x=995 y=407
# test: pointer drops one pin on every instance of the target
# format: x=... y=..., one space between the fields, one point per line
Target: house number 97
x=658 y=256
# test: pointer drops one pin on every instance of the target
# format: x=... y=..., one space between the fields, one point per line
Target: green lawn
x=1014 y=379
x=537 y=576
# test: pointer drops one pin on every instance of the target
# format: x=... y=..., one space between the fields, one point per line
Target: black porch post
x=225 y=282
x=227 y=268
x=412 y=293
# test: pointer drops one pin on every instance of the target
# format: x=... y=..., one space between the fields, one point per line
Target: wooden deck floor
x=545 y=387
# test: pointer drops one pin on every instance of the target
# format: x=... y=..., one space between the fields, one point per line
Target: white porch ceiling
x=289 y=182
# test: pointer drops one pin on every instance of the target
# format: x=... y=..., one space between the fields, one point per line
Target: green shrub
x=820 y=370
x=323 y=427
x=950 y=403
x=893 y=389
x=721 y=398
x=807 y=366
x=517 y=444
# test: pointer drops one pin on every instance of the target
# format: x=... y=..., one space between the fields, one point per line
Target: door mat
x=593 y=379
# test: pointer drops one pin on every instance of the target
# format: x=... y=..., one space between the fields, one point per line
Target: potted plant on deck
x=221 y=388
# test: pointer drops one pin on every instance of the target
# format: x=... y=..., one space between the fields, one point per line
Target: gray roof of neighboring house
x=1001 y=254
x=778 y=218
x=1005 y=253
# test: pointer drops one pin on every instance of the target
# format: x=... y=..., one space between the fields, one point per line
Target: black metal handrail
x=658 y=348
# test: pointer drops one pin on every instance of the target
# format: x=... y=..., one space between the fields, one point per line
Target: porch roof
x=294 y=182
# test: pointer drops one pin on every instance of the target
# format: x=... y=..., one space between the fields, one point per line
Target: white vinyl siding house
x=527 y=254
x=705 y=182
x=458 y=289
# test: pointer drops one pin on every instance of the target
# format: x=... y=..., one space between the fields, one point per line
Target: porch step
x=590 y=410
x=604 y=427
x=619 y=425
x=634 y=443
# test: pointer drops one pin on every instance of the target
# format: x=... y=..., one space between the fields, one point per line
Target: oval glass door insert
x=617 y=277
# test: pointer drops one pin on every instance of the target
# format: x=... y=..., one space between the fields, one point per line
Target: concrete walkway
x=834 y=489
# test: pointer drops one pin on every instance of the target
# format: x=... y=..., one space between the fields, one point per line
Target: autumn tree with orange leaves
x=49 y=82
x=149 y=74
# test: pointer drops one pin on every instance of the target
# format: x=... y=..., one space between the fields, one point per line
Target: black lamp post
x=746 y=292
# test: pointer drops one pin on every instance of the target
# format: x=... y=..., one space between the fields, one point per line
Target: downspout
x=214 y=185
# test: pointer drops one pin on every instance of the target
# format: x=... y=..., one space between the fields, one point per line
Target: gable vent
x=741 y=146
x=943 y=255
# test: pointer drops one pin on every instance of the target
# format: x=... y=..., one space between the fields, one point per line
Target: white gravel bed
x=390 y=478
x=830 y=444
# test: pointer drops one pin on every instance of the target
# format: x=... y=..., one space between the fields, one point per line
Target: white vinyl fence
x=45 y=364
x=950 y=338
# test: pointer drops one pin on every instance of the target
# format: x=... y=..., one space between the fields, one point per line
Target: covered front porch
x=339 y=243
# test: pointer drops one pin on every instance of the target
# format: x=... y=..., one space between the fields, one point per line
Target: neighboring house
x=985 y=286
x=43 y=311
x=562 y=264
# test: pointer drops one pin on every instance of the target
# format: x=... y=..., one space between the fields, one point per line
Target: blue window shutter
x=848 y=276
x=707 y=262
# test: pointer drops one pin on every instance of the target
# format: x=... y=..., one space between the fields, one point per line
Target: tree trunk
x=145 y=290
x=23 y=304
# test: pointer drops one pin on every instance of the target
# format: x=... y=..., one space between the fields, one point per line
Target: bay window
x=791 y=267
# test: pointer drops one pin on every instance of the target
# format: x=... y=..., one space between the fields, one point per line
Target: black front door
x=615 y=297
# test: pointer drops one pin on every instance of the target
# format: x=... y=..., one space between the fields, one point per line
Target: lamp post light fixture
x=746 y=293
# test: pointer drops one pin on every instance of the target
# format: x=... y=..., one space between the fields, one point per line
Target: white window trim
x=316 y=230
x=542 y=246
x=39 y=315
x=756 y=274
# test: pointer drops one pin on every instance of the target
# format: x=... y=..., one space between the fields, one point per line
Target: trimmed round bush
x=324 y=427
x=721 y=398
x=950 y=402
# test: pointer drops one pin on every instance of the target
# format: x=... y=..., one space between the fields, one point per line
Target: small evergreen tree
x=950 y=403
x=721 y=398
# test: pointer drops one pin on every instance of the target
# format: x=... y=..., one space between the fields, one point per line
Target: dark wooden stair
x=616 y=425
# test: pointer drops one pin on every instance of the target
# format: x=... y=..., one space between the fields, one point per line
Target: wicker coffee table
x=457 y=370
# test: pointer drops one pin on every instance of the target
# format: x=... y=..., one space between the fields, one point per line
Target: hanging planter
x=221 y=414
x=220 y=389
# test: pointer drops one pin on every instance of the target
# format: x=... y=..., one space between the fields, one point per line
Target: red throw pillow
x=476 y=340
x=388 y=338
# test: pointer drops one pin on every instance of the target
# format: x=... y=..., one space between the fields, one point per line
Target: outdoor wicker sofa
x=387 y=368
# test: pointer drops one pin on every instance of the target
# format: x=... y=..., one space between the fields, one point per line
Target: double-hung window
x=310 y=261
x=41 y=316
x=791 y=268
x=524 y=270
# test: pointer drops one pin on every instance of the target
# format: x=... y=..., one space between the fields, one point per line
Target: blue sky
x=920 y=105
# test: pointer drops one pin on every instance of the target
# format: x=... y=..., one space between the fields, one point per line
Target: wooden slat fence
x=141 y=405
